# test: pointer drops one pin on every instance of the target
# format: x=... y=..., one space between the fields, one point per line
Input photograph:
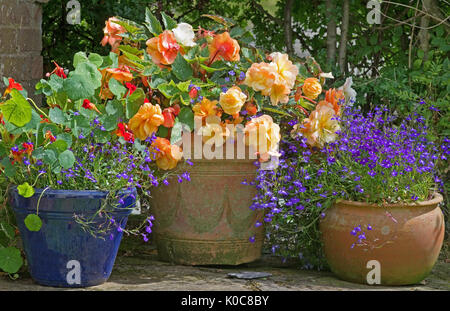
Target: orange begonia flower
x=335 y=99
x=164 y=48
x=205 y=108
x=146 y=121
x=165 y=154
x=223 y=46
x=111 y=33
x=312 y=88
x=121 y=74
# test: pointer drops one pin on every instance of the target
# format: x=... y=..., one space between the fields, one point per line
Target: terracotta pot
x=405 y=240
x=207 y=221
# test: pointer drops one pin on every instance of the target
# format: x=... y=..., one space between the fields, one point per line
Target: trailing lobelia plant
x=375 y=159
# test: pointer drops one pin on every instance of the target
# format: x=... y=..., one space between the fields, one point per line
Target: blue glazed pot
x=61 y=253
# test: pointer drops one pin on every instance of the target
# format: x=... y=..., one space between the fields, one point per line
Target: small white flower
x=184 y=34
x=328 y=75
x=349 y=93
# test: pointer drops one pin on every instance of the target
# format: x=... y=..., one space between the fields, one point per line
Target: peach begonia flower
x=166 y=155
x=287 y=71
x=205 y=108
x=263 y=135
x=320 y=128
x=233 y=100
x=146 y=121
x=275 y=79
x=164 y=48
x=224 y=47
x=261 y=76
x=279 y=93
x=312 y=88
x=112 y=32
x=214 y=132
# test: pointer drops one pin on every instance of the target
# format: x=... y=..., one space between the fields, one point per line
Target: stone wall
x=21 y=42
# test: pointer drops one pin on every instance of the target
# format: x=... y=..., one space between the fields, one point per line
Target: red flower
x=28 y=148
x=49 y=135
x=90 y=106
x=170 y=114
x=123 y=131
x=193 y=93
x=13 y=85
x=44 y=120
x=131 y=88
x=59 y=71
x=225 y=47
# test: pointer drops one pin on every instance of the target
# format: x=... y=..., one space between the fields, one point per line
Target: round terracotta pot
x=207 y=221
x=405 y=240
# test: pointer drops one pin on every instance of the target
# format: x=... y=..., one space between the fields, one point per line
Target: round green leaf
x=33 y=222
x=16 y=110
x=10 y=259
x=26 y=190
x=66 y=159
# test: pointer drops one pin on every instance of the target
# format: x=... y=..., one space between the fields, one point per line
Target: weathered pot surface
x=403 y=244
x=207 y=221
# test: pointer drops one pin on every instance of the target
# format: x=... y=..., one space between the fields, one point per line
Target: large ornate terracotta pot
x=404 y=239
x=207 y=221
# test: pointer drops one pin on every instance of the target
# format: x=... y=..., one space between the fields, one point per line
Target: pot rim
x=76 y=193
x=435 y=200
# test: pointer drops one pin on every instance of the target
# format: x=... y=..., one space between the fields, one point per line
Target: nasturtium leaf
x=17 y=109
x=33 y=222
x=95 y=59
x=56 y=83
x=78 y=58
x=181 y=68
x=49 y=157
x=9 y=169
x=59 y=145
x=116 y=88
x=66 y=137
x=91 y=74
x=152 y=23
x=25 y=190
x=57 y=116
x=110 y=122
x=66 y=159
x=78 y=86
x=169 y=22
x=134 y=101
x=10 y=259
